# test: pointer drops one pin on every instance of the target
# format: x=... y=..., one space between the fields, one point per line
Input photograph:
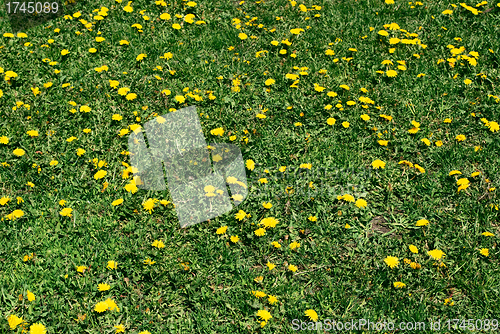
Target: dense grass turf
x=384 y=115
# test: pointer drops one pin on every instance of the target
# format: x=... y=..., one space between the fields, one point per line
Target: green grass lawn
x=371 y=141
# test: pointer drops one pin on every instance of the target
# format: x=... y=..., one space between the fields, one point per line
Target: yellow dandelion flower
x=391 y=261
x=111 y=265
x=264 y=315
x=270 y=82
x=378 y=164
x=436 y=254
x=19 y=152
x=221 y=230
x=399 y=285
x=312 y=315
x=260 y=232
